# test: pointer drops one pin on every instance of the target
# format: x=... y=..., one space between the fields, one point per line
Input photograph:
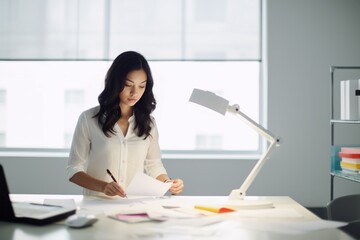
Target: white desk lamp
x=221 y=105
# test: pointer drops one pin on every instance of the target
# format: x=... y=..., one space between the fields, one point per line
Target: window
x=2 y=97
x=183 y=124
x=53 y=64
x=51 y=103
x=3 y=117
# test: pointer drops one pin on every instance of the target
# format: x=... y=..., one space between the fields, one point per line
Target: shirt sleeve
x=153 y=164
x=80 y=147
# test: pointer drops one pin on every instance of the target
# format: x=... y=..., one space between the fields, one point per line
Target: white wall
x=305 y=37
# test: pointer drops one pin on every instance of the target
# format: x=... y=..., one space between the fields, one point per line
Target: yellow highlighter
x=215 y=209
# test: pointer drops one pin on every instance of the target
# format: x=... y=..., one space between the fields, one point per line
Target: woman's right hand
x=113 y=189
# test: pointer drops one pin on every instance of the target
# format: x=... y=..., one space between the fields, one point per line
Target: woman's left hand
x=177 y=186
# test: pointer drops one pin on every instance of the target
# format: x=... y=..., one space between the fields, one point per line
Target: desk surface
x=287 y=212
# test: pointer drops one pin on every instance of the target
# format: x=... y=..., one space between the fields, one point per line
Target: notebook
x=26 y=212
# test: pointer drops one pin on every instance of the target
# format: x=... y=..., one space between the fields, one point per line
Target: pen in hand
x=112 y=177
x=110 y=174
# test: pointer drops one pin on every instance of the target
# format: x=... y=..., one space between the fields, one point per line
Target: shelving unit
x=335 y=169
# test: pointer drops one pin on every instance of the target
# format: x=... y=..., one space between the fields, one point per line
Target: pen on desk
x=44 y=204
x=112 y=177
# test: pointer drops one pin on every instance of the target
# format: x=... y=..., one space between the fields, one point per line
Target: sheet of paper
x=204 y=227
x=161 y=213
x=318 y=225
x=131 y=218
x=290 y=227
x=146 y=211
x=268 y=213
x=232 y=229
x=144 y=185
x=97 y=205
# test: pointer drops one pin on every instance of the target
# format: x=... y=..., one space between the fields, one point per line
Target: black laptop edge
x=45 y=221
x=7 y=212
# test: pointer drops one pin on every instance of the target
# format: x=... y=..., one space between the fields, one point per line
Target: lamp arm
x=241 y=192
x=235 y=109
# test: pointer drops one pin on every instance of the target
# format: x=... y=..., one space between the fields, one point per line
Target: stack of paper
x=350 y=159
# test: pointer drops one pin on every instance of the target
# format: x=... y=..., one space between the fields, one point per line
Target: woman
x=120 y=134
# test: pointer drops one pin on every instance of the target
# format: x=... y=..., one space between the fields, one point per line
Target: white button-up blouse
x=92 y=152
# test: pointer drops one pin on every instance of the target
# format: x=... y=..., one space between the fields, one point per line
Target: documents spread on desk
x=178 y=216
x=205 y=217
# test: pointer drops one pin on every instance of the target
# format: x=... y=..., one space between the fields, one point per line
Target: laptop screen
x=7 y=211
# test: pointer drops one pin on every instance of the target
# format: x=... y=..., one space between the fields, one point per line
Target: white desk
x=107 y=228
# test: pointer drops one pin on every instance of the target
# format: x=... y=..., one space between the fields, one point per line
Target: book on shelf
x=350 y=159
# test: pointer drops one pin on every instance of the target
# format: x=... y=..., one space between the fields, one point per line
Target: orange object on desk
x=215 y=209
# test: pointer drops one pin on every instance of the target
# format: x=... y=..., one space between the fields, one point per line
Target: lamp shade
x=209 y=100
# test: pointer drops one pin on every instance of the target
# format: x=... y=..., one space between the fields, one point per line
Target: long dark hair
x=109 y=100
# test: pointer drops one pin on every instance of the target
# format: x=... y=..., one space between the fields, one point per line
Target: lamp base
x=237 y=200
x=249 y=204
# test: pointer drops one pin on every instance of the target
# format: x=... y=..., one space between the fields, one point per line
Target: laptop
x=26 y=212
